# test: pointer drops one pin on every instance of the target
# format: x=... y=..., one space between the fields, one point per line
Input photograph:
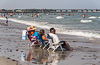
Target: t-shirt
x=55 y=38
x=6 y=19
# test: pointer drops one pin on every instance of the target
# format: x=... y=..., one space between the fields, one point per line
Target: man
x=57 y=41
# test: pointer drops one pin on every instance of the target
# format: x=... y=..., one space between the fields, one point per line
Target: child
x=6 y=21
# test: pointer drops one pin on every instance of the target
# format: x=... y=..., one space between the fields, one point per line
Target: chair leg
x=54 y=50
x=40 y=46
x=48 y=48
x=61 y=47
x=45 y=46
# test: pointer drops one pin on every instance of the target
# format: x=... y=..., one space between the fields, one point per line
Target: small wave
x=59 y=17
x=59 y=29
x=85 y=21
x=38 y=24
x=98 y=17
x=92 y=17
x=84 y=34
x=19 y=16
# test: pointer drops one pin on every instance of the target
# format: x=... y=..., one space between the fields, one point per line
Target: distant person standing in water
x=6 y=21
x=84 y=15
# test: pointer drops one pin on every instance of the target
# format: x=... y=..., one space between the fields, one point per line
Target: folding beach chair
x=36 y=43
x=54 y=46
x=46 y=43
x=33 y=42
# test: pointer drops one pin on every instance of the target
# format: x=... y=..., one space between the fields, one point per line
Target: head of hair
x=41 y=32
x=52 y=29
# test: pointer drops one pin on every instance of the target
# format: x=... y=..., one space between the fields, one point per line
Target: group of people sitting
x=41 y=37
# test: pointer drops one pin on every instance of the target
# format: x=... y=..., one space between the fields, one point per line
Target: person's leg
x=66 y=45
x=6 y=23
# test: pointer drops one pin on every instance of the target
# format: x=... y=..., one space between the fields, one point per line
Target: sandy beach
x=12 y=46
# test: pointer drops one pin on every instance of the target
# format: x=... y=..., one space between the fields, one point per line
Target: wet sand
x=12 y=47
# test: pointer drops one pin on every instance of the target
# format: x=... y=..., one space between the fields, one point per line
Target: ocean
x=71 y=25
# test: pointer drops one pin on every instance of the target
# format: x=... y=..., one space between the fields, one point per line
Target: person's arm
x=44 y=38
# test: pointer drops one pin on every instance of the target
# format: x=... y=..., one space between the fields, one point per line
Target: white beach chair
x=33 y=44
x=45 y=44
x=54 y=46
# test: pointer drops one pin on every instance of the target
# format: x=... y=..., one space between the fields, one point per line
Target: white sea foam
x=92 y=17
x=85 y=21
x=19 y=16
x=98 y=17
x=84 y=34
x=59 y=17
x=59 y=28
x=28 y=22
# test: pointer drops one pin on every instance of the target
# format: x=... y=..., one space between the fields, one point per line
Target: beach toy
x=24 y=35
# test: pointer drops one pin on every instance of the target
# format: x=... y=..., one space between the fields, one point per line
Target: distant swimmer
x=84 y=15
x=1 y=16
x=32 y=17
x=55 y=14
x=68 y=14
x=40 y=16
x=4 y=14
x=11 y=14
x=74 y=14
x=27 y=16
x=61 y=14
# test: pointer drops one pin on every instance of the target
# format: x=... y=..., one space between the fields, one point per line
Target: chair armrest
x=57 y=43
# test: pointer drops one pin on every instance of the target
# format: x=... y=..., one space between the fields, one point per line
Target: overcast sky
x=49 y=4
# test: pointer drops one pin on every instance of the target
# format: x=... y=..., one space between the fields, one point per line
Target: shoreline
x=12 y=45
x=86 y=34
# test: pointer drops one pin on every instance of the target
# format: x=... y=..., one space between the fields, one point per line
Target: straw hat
x=31 y=28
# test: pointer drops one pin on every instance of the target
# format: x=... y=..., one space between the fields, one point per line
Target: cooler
x=24 y=34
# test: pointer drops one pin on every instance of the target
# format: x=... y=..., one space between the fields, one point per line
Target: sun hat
x=31 y=28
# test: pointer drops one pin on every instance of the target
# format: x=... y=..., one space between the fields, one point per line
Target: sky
x=49 y=4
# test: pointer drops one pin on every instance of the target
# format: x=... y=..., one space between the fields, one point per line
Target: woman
x=33 y=35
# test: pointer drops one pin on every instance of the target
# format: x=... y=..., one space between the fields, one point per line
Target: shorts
x=6 y=21
x=63 y=43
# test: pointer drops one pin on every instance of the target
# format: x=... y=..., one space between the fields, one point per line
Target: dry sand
x=12 y=46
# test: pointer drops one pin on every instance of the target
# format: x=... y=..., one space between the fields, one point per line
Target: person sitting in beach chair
x=48 y=40
x=43 y=38
x=33 y=36
x=57 y=41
